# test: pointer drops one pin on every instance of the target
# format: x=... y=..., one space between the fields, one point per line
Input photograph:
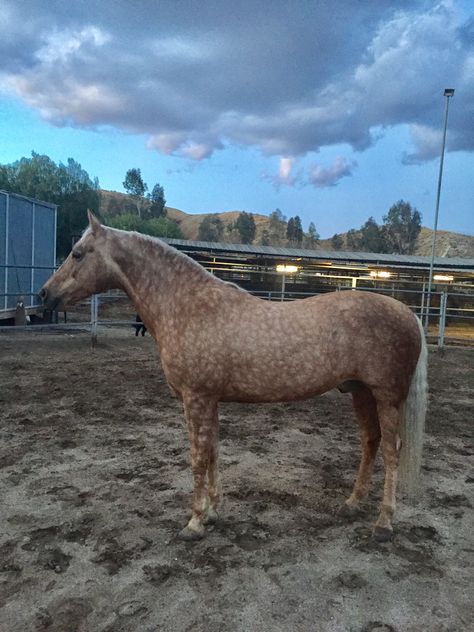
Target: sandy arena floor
x=95 y=484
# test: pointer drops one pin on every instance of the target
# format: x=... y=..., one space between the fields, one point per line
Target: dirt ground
x=95 y=484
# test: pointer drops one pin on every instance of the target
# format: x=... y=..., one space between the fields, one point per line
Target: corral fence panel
x=450 y=317
x=27 y=250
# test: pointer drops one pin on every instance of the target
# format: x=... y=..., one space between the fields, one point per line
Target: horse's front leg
x=213 y=474
x=201 y=416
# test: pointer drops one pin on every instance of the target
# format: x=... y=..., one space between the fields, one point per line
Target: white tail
x=413 y=423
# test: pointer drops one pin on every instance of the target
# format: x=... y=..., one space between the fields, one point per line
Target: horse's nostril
x=43 y=293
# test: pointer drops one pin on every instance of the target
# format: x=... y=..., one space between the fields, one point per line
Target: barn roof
x=342 y=256
x=29 y=199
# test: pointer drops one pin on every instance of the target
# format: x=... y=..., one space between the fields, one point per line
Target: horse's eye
x=76 y=255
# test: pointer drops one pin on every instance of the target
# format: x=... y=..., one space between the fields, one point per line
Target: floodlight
x=381 y=274
x=286 y=268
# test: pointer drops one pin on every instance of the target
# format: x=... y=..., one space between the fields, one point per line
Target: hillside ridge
x=448 y=244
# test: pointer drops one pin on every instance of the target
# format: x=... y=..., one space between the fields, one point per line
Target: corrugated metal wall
x=27 y=248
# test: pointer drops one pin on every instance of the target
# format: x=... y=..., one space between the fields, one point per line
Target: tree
x=290 y=230
x=126 y=221
x=37 y=177
x=211 y=229
x=298 y=230
x=277 y=227
x=372 y=237
x=402 y=225
x=353 y=239
x=69 y=186
x=245 y=224
x=162 y=227
x=312 y=237
x=136 y=188
x=312 y=232
x=337 y=241
x=157 y=202
x=133 y=183
x=6 y=177
x=265 y=238
x=78 y=193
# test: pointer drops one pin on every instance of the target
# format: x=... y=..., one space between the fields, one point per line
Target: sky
x=330 y=110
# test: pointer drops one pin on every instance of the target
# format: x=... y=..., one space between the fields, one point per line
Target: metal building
x=27 y=250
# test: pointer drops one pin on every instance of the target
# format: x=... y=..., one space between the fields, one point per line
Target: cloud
x=329 y=176
x=286 y=175
x=317 y=175
x=59 y=46
x=194 y=78
x=427 y=142
x=177 y=144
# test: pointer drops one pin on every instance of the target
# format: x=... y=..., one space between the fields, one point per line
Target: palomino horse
x=219 y=343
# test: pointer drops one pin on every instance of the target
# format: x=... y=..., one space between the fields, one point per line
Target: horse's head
x=86 y=271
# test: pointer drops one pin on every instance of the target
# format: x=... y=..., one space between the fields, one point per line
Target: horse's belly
x=287 y=383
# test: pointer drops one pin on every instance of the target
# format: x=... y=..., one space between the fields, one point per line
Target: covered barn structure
x=315 y=271
x=281 y=273
x=27 y=251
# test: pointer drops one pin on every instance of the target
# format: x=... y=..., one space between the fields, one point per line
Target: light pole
x=284 y=269
x=448 y=93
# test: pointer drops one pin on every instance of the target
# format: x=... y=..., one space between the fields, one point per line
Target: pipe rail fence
x=449 y=313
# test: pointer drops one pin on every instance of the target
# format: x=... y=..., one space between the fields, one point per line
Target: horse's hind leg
x=390 y=417
x=201 y=415
x=365 y=408
x=213 y=475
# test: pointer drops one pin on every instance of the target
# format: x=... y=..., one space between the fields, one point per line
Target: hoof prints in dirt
x=113 y=555
x=264 y=497
x=63 y=614
x=248 y=536
x=54 y=558
x=411 y=545
x=208 y=562
x=440 y=499
x=350 y=580
x=377 y=626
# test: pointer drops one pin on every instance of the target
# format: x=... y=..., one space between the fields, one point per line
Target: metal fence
x=450 y=317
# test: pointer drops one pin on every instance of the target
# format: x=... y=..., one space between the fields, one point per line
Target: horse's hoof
x=382 y=534
x=191 y=535
x=211 y=516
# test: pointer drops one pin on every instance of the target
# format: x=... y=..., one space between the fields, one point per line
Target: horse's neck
x=158 y=279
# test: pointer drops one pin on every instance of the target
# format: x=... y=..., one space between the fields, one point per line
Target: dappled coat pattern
x=218 y=343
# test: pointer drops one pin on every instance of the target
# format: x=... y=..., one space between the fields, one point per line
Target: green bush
x=156 y=226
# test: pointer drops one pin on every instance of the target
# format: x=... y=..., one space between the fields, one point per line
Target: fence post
x=422 y=306
x=443 y=302
x=94 y=318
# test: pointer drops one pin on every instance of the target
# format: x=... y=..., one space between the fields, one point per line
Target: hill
x=115 y=203
x=448 y=244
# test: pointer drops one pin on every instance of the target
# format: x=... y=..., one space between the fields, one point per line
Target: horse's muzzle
x=43 y=293
x=48 y=299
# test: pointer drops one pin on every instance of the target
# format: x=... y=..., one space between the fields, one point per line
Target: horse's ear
x=94 y=223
